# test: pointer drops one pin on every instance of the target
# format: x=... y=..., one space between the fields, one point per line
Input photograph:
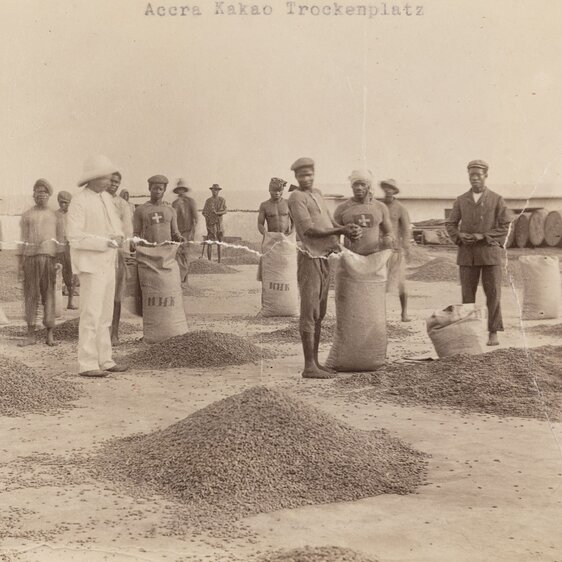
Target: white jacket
x=91 y=221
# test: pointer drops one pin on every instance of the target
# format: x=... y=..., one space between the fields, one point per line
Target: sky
x=235 y=100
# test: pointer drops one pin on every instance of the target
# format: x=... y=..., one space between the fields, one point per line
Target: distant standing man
x=319 y=238
x=402 y=234
x=369 y=214
x=213 y=211
x=95 y=234
x=40 y=232
x=156 y=221
x=124 y=214
x=64 y=198
x=186 y=210
x=479 y=224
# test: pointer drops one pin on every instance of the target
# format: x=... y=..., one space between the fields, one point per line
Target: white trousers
x=97 y=291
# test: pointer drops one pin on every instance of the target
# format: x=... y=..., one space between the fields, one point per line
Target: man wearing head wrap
x=95 y=234
x=64 y=198
x=402 y=234
x=124 y=194
x=275 y=211
x=319 y=238
x=37 y=255
x=478 y=224
x=371 y=215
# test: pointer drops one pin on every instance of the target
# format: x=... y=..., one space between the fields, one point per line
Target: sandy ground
x=494 y=489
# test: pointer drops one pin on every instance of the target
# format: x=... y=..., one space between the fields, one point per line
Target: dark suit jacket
x=490 y=217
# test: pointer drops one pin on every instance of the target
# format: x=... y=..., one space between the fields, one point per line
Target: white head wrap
x=361 y=175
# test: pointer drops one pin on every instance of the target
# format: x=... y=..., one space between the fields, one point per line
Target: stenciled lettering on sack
x=161 y=301
x=279 y=286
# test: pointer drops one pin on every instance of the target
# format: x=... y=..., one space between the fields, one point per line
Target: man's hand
x=353 y=231
x=466 y=238
x=477 y=236
x=387 y=242
x=115 y=241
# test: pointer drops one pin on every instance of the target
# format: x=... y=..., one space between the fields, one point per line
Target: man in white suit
x=95 y=233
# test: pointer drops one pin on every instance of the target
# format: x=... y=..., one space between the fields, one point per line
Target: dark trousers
x=39 y=279
x=491 y=283
x=313 y=278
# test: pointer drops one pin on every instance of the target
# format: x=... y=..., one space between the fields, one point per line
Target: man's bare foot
x=115 y=342
x=493 y=339
x=71 y=306
x=317 y=373
x=406 y=318
x=29 y=340
x=327 y=369
x=50 y=340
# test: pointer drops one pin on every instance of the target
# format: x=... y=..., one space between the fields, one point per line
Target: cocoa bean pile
x=290 y=334
x=205 y=267
x=246 y=255
x=23 y=390
x=256 y=452
x=248 y=258
x=198 y=349
x=66 y=331
x=437 y=269
x=10 y=287
x=507 y=382
x=554 y=330
x=315 y=554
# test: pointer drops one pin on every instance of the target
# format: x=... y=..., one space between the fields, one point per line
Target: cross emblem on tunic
x=364 y=221
x=157 y=217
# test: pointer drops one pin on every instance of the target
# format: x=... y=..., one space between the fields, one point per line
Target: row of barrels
x=536 y=228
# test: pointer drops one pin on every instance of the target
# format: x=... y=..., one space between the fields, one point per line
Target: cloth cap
x=43 y=183
x=96 y=167
x=277 y=184
x=478 y=164
x=302 y=163
x=215 y=186
x=181 y=186
x=390 y=183
x=64 y=196
x=158 y=179
x=361 y=175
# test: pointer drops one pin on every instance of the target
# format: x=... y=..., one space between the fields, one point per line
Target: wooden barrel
x=553 y=229
x=511 y=235
x=536 y=227
x=522 y=230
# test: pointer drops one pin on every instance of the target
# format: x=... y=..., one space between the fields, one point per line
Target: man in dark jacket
x=479 y=224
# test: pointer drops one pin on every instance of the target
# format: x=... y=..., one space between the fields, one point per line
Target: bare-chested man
x=275 y=211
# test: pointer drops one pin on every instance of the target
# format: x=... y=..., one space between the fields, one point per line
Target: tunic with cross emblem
x=155 y=223
x=371 y=217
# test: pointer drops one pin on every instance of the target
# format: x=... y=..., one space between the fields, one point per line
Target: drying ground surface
x=490 y=488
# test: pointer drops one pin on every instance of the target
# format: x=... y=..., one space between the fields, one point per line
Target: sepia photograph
x=280 y=281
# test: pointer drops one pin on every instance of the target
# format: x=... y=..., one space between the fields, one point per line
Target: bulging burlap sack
x=541 y=287
x=131 y=299
x=280 y=293
x=162 y=299
x=457 y=329
x=360 y=338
